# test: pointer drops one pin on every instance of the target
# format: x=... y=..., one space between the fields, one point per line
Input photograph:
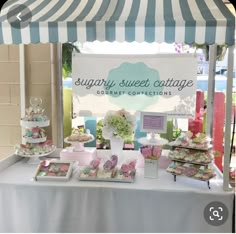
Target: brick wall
x=10 y=131
x=38 y=83
x=38 y=77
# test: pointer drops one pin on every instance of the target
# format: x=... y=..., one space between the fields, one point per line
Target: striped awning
x=182 y=21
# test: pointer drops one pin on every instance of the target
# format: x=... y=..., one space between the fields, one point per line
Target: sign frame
x=154 y=115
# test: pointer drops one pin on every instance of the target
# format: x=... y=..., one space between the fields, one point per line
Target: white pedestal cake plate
x=78 y=146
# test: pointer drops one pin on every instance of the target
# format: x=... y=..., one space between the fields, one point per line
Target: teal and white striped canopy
x=182 y=21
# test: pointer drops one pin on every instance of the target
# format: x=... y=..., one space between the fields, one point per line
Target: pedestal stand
x=77 y=152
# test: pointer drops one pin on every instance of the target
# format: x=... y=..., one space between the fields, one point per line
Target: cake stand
x=152 y=140
x=77 y=151
x=78 y=146
x=35 y=158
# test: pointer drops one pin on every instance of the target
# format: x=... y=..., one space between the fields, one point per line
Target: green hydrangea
x=122 y=127
x=118 y=123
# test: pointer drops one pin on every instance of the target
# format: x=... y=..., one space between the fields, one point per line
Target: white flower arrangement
x=118 y=124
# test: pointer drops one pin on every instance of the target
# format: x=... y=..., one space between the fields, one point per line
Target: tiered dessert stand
x=35 y=144
x=195 y=150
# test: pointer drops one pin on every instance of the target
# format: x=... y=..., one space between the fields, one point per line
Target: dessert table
x=147 y=205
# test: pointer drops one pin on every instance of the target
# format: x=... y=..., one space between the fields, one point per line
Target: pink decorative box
x=84 y=157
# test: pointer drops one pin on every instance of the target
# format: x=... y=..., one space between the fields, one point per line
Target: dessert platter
x=192 y=156
x=77 y=151
x=188 y=141
x=53 y=170
x=196 y=172
x=189 y=155
x=108 y=171
x=78 y=139
x=32 y=150
x=35 y=143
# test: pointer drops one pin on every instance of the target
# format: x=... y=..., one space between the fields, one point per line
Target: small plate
x=76 y=142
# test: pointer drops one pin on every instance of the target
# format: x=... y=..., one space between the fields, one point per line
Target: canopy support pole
x=228 y=104
x=211 y=90
x=60 y=113
x=22 y=84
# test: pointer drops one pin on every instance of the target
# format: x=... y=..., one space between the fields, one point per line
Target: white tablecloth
x=147 y=205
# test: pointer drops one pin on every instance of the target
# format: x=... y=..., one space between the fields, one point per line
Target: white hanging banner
x=159 y=83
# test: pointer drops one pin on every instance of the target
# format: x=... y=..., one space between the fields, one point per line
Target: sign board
x=155 y=83
x=153 y=122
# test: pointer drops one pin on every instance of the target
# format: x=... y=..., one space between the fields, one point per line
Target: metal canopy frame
x=93 y=26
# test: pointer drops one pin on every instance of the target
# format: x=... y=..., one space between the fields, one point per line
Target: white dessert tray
x=35 y=140
x=31 y=124
x=37 y=177
x=108 y=180
x=34 y=158
x=114 y=179
x=36 y=155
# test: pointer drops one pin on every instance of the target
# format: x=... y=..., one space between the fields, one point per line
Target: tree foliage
x=67 y=49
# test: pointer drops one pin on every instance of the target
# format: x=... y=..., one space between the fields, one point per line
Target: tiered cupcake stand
x=35 y=144
x=194 y=162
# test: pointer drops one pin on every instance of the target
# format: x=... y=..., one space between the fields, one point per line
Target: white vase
x=117 y=144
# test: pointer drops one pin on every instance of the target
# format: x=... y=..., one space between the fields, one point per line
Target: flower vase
x=117 y=144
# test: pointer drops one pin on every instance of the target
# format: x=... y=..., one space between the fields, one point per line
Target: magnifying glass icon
x=216 y=213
